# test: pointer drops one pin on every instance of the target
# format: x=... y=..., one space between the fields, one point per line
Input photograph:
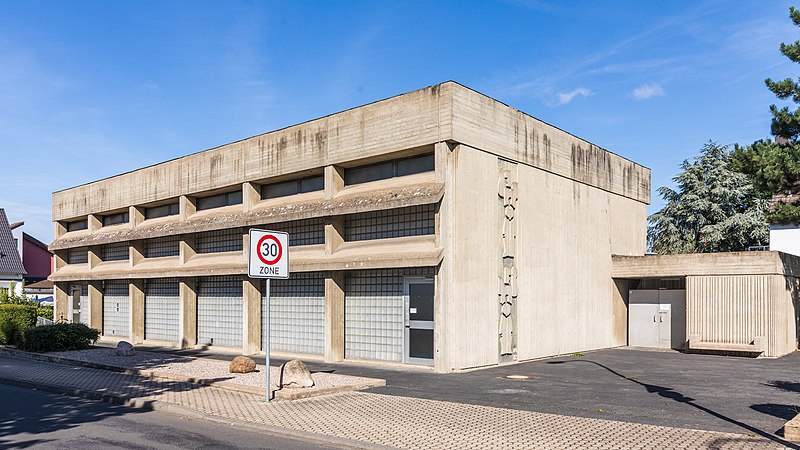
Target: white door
x=643 y=319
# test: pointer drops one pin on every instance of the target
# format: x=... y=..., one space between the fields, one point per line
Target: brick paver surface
x=395 y=421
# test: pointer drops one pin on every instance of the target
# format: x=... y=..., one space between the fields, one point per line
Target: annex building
x=437 y=227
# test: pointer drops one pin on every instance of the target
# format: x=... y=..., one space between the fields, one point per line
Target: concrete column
x=59 y=259
x=251 y=316
x=334 y=180
x=61 y=302
x=136 y=290
x=188 y=314
x=251 y=195
x=95 y=289
x=246 y=245
x=59 y=229
x=94 y=222
x=95 y=256
x=186 y=248
x=334 y=233
x=136 y=252
x=187 y=206
x=334 y=316
x=136 y=215
x=445 y=272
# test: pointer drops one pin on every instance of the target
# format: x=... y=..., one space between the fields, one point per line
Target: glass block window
x=84 y=304
x=230 y=240
x=293 y=187
x=78 y=255
x=161 y=309
x=117 y=251
x=390 y=223
x=162 y=246
x=161 y=211
x=297 y=313
x=301 y=232
x=116 y=308
x=219 y=200
x=219 y=311
x=389 y=169
x=78 y=225
x=374 y=313
x=114 y=219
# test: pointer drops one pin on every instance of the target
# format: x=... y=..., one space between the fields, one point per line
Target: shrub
x=45 y=311
x=14 y=319
x=59 y=337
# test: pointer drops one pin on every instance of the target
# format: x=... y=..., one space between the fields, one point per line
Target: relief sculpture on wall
x=507 y=190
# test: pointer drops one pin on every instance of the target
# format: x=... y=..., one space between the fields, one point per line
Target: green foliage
x=714 y=209
x=60 y=337
x=785 y=213
x=14 y=319
x=10 y=297
x=786 y=123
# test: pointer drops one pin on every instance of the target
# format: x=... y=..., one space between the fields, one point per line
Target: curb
x=171 y=408
x=277 y=394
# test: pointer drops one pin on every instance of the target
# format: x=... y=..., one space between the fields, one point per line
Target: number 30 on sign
x=268 y=254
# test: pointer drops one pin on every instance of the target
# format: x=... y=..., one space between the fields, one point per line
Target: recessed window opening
x=114 y=219
x=161 y=211
x=162 y=246
x=78 y=255
x=230 y=240
x=293 y=187
x=219 y=200
x=390 y=223
x=115 y=252
x=78 y=225
x=389 y=169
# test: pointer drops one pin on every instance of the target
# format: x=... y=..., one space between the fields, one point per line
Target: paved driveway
x=732 y=394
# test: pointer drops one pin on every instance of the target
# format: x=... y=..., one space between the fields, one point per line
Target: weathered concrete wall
x=568 y=231
x=735 y=309
x=730 y=263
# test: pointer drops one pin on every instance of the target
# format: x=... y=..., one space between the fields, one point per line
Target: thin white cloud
x=647 y=91
x=566 y=97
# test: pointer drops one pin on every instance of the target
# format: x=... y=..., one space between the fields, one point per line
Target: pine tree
x=713 y=209
x=774 y=166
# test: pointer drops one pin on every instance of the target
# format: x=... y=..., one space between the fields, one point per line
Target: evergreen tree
x=714 y=209
x=774 y=166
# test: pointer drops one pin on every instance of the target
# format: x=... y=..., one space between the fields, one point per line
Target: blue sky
x=92 y=89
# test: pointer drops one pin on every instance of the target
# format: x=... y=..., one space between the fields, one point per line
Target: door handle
x=654 y=318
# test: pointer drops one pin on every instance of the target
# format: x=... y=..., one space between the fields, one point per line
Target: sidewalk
x=374 y=419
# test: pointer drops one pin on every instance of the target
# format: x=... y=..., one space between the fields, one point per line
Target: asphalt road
x=35 y=419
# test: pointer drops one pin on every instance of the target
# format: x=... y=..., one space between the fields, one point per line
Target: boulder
x=125 y=349
x=242 y=364
x=295 y=374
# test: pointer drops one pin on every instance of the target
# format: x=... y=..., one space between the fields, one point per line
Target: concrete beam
x=136 y=250
x=334 y=234
x=186 y=248
x=250 y=196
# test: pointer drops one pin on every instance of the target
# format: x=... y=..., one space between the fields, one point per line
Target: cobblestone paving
x=394 y=421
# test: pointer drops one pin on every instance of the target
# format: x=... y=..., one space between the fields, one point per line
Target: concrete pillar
x=95 y=289
x=94 y=222
x=445 y=272
x=61 y=302
x=246 y=245
x=186 y=248
x=136 y=290
x=251 y=195
x=188 y=314
x=334 y=316
x=95 y=256
x=59 y=229
x=135 y=215
x=187 y=206
x=334 y=180
x=251 y=316
x=59 y=259
x=334 y=233
x=136 y=252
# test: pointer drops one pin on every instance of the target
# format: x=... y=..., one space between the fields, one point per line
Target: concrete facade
x=514 y=222
x=739 y=302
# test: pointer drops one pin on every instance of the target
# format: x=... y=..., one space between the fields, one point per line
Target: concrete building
x=438 y=227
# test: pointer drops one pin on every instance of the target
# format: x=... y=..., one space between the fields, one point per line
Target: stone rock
x=242 y=364
x=125 y=349
x=295 y=374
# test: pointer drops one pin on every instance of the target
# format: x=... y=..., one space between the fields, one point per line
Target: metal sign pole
x=266 y=341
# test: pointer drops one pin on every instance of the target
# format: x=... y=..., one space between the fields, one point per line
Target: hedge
x=14 y=319
x=59 y=337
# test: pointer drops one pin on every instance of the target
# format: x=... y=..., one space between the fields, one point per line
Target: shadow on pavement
x=676 y=396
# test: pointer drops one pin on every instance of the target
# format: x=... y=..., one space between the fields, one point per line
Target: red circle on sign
x=266 y=261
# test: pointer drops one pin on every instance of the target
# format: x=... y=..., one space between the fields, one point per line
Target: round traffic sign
x=269 y=249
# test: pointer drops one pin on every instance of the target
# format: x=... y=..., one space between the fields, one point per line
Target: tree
x=774 y=166
x=714 y=209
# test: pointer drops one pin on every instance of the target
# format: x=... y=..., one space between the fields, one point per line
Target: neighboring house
x=11 y=269
x=40 y=291
x=36 y=258
x=785 y=237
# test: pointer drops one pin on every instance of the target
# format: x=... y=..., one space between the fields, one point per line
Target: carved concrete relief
x=507 y=190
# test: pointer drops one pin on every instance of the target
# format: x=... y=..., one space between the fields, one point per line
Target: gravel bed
x=204 y=368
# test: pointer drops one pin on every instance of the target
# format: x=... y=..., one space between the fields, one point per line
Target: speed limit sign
x=269 y=254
